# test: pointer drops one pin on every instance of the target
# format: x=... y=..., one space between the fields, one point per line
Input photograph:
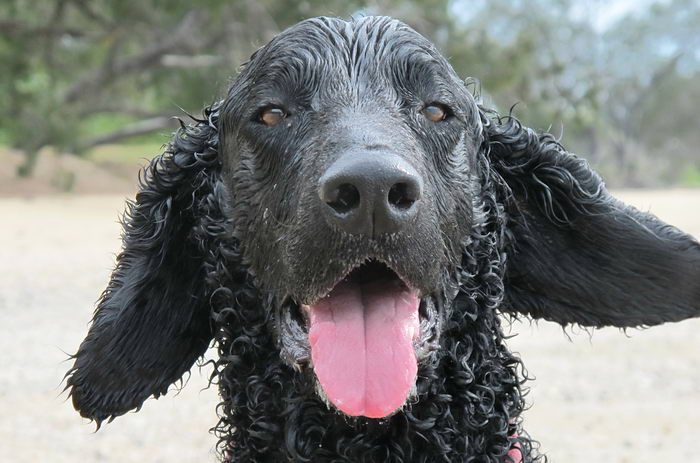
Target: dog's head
x=346 y=169
x=348 y=152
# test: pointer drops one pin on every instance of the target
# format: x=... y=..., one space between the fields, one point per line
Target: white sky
x=602 y=14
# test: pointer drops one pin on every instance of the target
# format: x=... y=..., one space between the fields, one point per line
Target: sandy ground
x=605 y=398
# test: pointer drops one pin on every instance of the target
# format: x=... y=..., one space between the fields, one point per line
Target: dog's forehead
x=331 y=45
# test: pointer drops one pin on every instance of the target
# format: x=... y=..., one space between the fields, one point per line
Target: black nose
x=371 y=193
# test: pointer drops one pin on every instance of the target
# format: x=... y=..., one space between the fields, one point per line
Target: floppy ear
x=152 y=321
x=577 y=254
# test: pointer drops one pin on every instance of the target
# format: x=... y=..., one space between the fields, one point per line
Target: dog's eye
x=272 y=115
x=435 y=112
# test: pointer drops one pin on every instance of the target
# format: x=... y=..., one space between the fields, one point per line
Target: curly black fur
x=544 y=238
x=469 y=394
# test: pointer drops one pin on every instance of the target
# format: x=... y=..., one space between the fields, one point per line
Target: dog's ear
x=152 y=322
x=576 y=254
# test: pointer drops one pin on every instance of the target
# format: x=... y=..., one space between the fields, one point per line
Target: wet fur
x=545 y=239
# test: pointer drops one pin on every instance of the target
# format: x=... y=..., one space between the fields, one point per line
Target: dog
x=346 y=225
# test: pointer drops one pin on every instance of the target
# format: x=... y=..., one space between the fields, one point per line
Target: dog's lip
x=326 y=290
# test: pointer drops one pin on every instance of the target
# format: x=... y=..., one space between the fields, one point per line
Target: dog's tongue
x=361 y=338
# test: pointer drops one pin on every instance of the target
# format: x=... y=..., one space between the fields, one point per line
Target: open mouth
x=365 y=337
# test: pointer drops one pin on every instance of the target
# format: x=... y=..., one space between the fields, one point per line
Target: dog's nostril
x=344 y=198
x=402 y=196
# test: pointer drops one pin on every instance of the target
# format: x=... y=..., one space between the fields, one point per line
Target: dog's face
x=349 y=151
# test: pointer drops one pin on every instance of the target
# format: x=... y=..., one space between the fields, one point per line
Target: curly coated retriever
x=346 y=226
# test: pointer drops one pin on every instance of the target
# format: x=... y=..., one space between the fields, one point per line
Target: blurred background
x=88 y=91
x=618 y=80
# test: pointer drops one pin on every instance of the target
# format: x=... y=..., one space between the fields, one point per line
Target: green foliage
x=690 y=176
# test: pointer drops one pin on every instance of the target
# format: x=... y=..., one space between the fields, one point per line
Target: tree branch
x=182 y=36
x=143 y=127
x=631 y=125
x=126 y=108
x=87 y=11
x=190 y=61
x=10 y=28
x=56 y=19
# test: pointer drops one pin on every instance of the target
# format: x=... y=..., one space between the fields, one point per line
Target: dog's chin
x=363 y=339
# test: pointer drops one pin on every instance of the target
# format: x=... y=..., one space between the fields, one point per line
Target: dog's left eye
x=435 y=112
x=272 y=115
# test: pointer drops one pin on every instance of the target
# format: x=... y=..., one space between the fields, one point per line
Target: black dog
x=347 y=225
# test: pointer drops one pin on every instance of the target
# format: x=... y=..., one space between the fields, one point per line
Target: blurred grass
x=133 y=153
x=690 y=176
x=100 y=124
x=4 y=138
x=135 y=150
x=105 y=123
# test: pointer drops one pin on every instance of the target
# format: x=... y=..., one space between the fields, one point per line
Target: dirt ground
x=605 y=398
x=56 y=173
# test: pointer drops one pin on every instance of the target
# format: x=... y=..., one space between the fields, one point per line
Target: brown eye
x=272 y=116
x=435 y=112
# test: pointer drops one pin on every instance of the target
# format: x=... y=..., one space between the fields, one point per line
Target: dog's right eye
x=272 y=115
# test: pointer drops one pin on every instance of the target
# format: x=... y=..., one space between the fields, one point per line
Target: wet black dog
x=346 y=225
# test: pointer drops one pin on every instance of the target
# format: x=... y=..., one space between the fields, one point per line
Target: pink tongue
x=361 y=338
